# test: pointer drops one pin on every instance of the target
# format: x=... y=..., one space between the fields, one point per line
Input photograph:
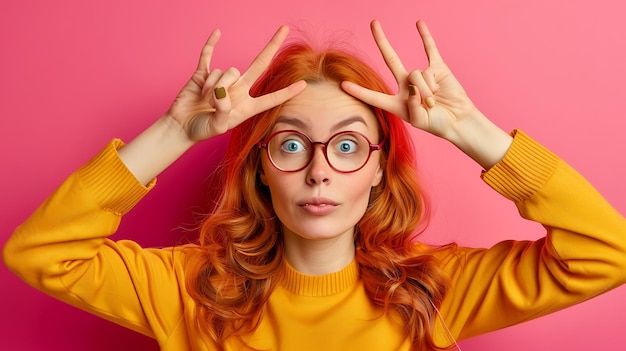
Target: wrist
x=155 y=149
x=174 y=133
x=481 y=139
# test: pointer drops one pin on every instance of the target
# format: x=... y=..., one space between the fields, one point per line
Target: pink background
x=77 y=73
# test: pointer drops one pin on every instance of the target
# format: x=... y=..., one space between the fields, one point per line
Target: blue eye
x=347 y=146
x=292 y=146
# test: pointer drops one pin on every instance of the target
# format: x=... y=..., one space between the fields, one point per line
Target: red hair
x=241 y=250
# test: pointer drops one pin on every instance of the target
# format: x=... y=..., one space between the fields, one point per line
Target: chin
x=321 y=232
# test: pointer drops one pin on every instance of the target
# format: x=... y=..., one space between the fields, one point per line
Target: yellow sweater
x=64 y=250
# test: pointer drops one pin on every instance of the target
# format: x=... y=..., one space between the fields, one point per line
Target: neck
x=318 y=257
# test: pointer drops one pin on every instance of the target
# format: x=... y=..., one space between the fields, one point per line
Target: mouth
x=318 y=206
x=319 y=202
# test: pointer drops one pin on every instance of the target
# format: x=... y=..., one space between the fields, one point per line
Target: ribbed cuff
x=524 y=169
x=110 y=182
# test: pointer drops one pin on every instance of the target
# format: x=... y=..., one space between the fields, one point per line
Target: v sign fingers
x=404 y=78
x=212 y=102
x=430 y=99
x=203 y=114
x=398 y=103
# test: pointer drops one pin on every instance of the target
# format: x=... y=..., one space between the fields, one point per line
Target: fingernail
x=430 y=102
x=411 y=90
x=220 y=92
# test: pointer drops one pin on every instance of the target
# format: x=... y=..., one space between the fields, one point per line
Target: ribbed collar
x=322 y=285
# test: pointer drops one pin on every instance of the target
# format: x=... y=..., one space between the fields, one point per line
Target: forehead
x=324 y=106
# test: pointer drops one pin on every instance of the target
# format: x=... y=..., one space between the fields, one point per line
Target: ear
x=262 y=176
x=378 y=176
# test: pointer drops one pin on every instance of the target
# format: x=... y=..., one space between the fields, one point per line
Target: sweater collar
x=322 y=285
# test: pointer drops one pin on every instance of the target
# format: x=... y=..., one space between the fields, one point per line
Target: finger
x=429 y=77
x=263 y=59
x=377 y=99
x=221 y=97
x=429 y=43
x=276 y=98
x=207 y=53
x=418 y=114
x=390 y=56
x=426 y=96
x=211 y=80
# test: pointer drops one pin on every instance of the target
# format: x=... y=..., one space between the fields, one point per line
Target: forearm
x=74 y=221
x=155 y=149
x=481 y=139
x=63 y=250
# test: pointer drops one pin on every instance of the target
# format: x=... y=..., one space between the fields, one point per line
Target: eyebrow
x=298 y=123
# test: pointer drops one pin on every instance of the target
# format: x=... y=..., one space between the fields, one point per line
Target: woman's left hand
x=433 y=100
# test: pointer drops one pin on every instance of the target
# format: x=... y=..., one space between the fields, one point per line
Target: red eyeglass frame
x=324 y=144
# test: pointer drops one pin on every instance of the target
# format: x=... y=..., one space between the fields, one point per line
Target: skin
x=319 y=238
x=431 y=99
x=440 y=105
x=196 y=114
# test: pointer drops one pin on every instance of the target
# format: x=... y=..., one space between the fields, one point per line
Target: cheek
x=282 y=197
x=359 y=186
x=278 y=183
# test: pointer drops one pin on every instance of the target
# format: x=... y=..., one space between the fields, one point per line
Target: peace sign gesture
x=214 y=101
x=434 y=101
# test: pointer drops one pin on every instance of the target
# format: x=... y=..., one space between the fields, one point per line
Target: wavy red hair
x=241 y=250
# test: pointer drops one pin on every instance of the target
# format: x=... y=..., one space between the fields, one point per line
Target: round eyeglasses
x=292 y=151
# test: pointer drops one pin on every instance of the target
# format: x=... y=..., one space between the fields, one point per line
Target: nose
x=318 y=171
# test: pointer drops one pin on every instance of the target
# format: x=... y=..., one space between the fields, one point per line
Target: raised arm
x=584 y=251
x=63 y=249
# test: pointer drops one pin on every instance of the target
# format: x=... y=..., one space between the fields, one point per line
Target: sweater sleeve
x=582 y=255
x=63 y=250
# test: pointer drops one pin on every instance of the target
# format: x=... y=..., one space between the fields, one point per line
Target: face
x=317 y=202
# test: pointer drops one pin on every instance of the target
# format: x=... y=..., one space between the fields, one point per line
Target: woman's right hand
x=211 y=103
x=214 y=101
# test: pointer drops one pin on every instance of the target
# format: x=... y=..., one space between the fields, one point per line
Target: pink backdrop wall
x=75 y=73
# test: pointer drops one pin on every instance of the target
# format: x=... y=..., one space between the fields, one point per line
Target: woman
x=312 y=241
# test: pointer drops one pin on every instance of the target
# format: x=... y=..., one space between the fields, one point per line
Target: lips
x=318 y=206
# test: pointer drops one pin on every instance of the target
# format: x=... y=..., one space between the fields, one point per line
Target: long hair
x=239 y=261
